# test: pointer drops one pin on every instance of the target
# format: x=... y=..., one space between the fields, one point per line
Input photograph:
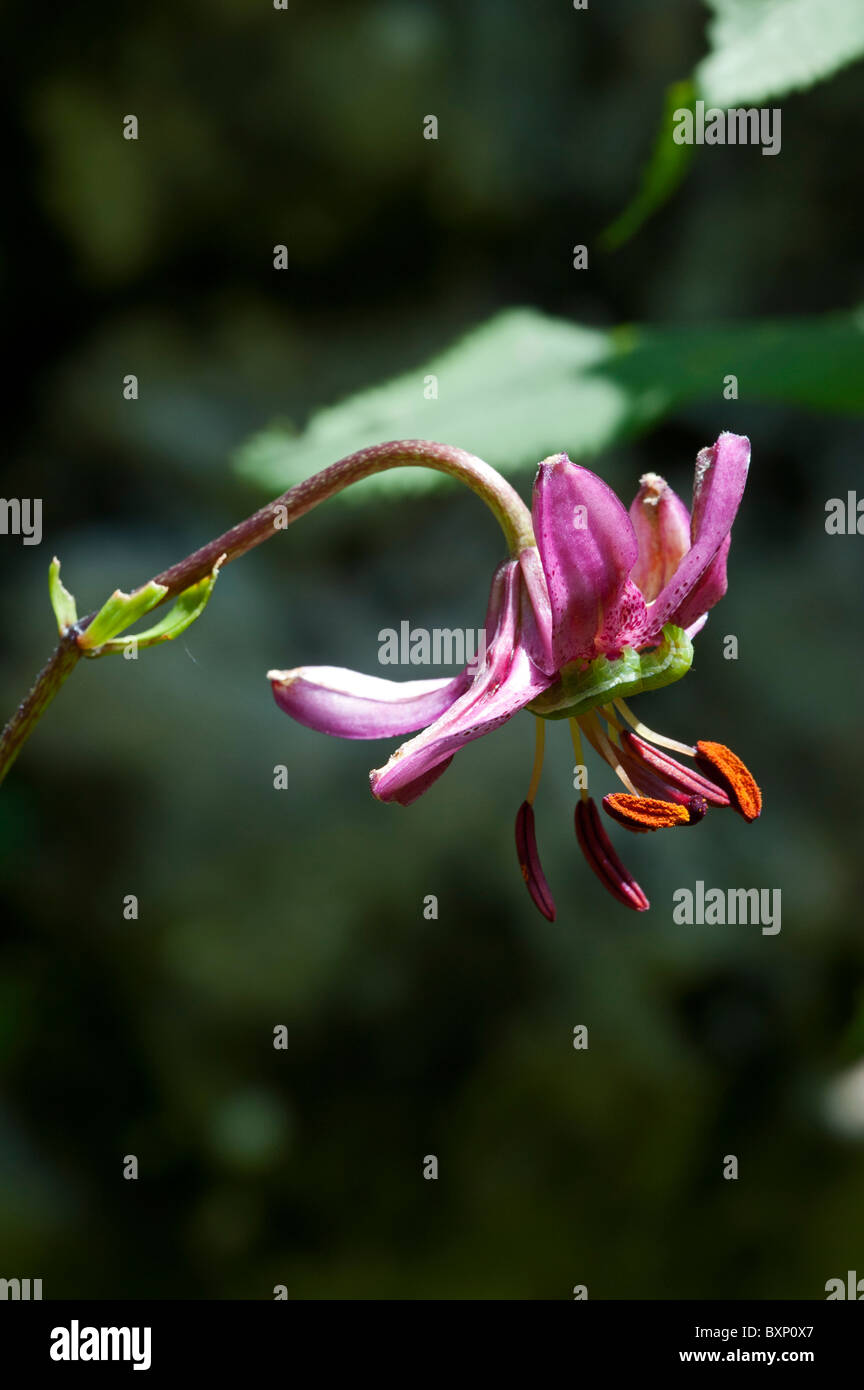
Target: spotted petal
x=588 y=548
x=700 y=579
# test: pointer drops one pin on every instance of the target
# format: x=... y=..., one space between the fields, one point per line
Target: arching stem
x=503 y=501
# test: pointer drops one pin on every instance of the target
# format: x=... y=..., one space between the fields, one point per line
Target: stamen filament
x=594 y=732
x=644 y=732
x=577 y=749
x=611 y=718
x=539 y=749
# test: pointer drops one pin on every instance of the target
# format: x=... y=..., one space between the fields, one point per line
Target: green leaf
x=666 y=167
x=118 y=613
x=188 y=606
x=767 y=48
x=65 y=609
x=525 y=385
x=496 y=388
x=758 y=49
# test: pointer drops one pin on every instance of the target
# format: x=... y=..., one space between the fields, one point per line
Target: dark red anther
x=529 y=862
x=598 y=850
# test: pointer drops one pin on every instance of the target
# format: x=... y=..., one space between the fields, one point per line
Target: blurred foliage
x=303 y=907
x=588 y=390
x=664 y=170
x=757 y=49
x=769 y=48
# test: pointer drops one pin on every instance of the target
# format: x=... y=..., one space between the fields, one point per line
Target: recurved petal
x=410 y=791
x=662 y=525
x=705 y=593
x=588 y=548
x=507 y=682
x=721 y=474
x=350 y=705
x=538 y=633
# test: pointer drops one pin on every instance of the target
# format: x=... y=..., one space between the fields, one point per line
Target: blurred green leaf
x=525 y=385
x=666 y=167
x=767 y=48
x=758 y=49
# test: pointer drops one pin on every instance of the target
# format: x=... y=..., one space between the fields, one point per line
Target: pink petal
x=662 y=526
x=588 y=548
x=350 y=705
x=347 y=704
x=410 y=791
x=721 y=473
x=541 y=651
x=708 y=591
x=507 y=682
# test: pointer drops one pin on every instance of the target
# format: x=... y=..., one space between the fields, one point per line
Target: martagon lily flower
x=601 y=606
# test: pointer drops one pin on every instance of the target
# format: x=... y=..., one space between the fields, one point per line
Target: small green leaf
x=118 y=613
x=65 y=609
x=189 y=606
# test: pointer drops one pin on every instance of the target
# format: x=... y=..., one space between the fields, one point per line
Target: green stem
x=503 y=501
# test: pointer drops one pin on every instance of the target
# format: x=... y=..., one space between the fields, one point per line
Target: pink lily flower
x=604 y=604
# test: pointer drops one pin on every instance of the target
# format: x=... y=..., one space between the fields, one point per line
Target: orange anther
x=645 y=812
x=728 y=769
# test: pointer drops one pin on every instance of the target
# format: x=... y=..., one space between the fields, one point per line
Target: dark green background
x=304 y=907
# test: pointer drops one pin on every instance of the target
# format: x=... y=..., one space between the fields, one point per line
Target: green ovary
x=580 y=690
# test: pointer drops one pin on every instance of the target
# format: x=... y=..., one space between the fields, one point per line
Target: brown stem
x=56 y=670
x=504 y=502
